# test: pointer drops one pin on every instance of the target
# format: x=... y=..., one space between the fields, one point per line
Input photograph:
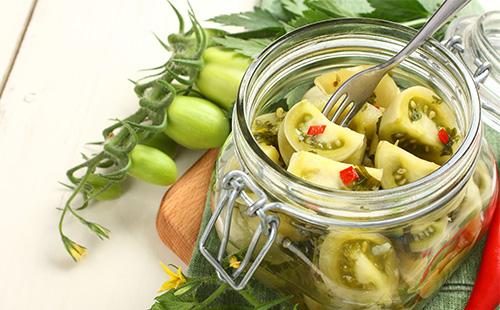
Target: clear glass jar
x=296 y=237
x=478 y=42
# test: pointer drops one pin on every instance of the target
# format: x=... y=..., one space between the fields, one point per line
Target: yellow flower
x=74 y=249
x=234 y=262
x=77 y=252
x=175 y=280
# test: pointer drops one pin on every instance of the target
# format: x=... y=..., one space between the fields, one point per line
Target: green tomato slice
x=265 y=127
x=360 y=267
x=335 y=142
x=383 y=95
x=400 y=167
x=271 y=152
x=414 y=119
x=326 y=172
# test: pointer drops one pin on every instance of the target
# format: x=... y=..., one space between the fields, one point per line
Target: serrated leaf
x=275 y=7
x=296 y=7
x=308 y=17
x=257 y=19
x=397 y=10
x=357 y=7
x=330 y=8
x=251 y=47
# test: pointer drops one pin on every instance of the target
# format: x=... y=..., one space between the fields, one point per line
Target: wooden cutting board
x=179 y=217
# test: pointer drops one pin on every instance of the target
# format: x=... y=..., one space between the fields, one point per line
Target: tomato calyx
x=348 y=175
x=443 y=136
x=315 y=130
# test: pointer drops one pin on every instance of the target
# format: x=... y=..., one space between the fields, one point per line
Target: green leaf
x=308 y=17
x=251 y=47
x=296 y=94
x=474 y=7
x=275 y=7
x=257 y=19
x=296 y=7
x=330 y=8
x=357 y=7
x=397 y=10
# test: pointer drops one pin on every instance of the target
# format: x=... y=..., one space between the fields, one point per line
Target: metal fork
x=357 y=89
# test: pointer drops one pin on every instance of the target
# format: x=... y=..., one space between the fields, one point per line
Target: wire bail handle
x=233 y=186
x=483 y=67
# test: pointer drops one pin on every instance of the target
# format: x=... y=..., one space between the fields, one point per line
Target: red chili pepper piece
x=316 y=130
x=486 y=292
x=348 y=175
x=443 y=136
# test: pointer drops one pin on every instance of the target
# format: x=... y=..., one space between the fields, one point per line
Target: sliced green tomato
x=336 y=142
x=326 y=172
x=414 y=119
x=483 y=179
x=470 y=206
x=400 y=167
x=446 y=260
x=425 y=236
x=271 y=152
x=412 y=267
x=365 y=121
x=317 y=97
x=384 y=94
x=285 y=149
x=360 y=267
x=265 y=127
x=243 y=228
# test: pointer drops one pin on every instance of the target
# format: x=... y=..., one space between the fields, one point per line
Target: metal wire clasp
x=234 y=185
x=483 y=67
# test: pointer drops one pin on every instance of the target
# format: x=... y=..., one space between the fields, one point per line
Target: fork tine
x=334 y=99
x=350 y=115
x=341 y=108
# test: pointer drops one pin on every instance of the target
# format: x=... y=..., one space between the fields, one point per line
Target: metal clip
x=483 y=67
x=234 y=184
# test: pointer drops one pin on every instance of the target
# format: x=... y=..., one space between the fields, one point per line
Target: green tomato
x=220 y=77
x=98 y=183
x=226 y=58
x=196 y=123
x=163 y=143
x=152 y=165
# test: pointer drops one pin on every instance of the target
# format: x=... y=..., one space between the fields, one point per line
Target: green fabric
x=453 y=294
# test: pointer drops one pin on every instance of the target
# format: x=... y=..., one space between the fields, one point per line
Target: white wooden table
x=64 y=66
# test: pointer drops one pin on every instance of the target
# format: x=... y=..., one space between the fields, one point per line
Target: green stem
x=212 y=297
x=416 y=22
x=90 y=167
x=249 y=298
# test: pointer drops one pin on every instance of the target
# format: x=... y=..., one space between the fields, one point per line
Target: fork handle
x=444 y=12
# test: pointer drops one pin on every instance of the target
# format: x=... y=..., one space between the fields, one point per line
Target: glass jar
x=477 y=41
x=305 y=240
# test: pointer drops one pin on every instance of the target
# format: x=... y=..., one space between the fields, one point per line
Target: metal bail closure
x=234 y=185
x=483 y=68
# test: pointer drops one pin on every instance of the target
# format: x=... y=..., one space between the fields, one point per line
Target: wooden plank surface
x=69 y=78
x=14 y=19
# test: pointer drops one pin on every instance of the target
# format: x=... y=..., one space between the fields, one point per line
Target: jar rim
x=482 y=33
x=470 y=133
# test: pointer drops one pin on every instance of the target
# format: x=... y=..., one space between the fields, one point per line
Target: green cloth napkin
x=453 y=294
